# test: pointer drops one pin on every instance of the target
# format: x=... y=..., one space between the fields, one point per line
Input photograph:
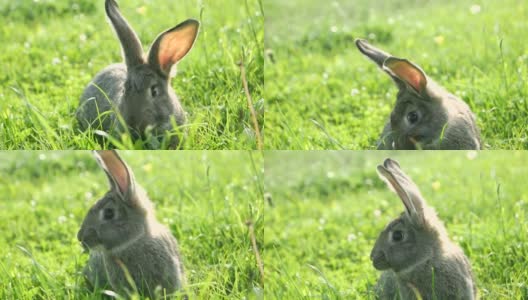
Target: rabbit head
x=122 y=215
x=425 y=116
x=149 y=102
x=413 y=237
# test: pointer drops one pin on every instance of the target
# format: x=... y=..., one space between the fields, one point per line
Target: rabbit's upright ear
x=408 y=192
x=376 y=55
x=407 y=72
x=119 y=175
x=379 y=57
x=172 y=45
x=130 y=43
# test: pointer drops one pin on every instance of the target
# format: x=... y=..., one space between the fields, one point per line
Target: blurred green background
x=53 y=48
x=326 y=209
x=324 y=94
x=45 y=196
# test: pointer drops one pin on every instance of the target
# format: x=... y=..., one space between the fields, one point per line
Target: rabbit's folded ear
x=120 y=177
x=376 y=55
x=407 y=72
x=172 y=45
x=130 y=43
x=405 y=188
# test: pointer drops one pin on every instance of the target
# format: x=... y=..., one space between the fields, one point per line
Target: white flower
x=351 y=237
x=471 y=155
x=474 y=9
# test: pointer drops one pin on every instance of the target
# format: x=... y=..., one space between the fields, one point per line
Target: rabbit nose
x=87 y=234
x=376 y=254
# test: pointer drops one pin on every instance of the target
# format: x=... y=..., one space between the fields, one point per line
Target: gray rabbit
x=137 y=94
x=123 y=237
x=415 y=252
x=425 y=115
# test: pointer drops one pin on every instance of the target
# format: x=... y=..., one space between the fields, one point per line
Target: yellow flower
x=436 y=185
x=147 y=167
x=141 y=10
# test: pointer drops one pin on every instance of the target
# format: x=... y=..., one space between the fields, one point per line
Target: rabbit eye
x=397 y=236
x=412 y=117
x=108 y=213
x=154 y=91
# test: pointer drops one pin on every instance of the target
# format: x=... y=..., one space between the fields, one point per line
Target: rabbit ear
x=399 y=182
x=130 y=43
x=119 y=175
x=375 y=54
x=379 y=57
x=407 y=72
x=172 y=45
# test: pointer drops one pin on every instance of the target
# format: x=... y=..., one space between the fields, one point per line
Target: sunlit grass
x=323 y=94
x=52 y=49
x=206 y=205
x=327 y=208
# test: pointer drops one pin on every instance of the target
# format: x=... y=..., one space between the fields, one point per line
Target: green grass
x=329 y=207
x=52 y=49
x=323 y=94
x=45 y=196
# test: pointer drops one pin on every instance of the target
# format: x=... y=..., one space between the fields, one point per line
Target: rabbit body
x=112 y=81
x=123 y=236
x=452 y=278
x=151 y=261
x=139 y=89
x=425 y=115
x=414 y=251
x=460 y=132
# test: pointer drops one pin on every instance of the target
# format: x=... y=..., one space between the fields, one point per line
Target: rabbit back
x=94 y=102
x=448 y=277
x=455 y=278
x=463 y=132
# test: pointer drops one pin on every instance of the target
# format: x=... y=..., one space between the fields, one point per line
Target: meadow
x=52 y=49
x=322 y=93
x=325 y=211
x=47 y=194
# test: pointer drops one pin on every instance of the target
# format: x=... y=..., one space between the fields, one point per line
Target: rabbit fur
x=425 y=115
x=414 y=251
x=122 y=235
x=136 y=96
